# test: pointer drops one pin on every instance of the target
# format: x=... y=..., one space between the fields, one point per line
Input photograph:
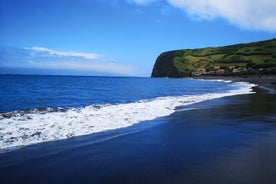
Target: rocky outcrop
x=164 y=66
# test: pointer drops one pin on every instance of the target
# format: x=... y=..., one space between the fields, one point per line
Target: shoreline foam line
x=31 y=128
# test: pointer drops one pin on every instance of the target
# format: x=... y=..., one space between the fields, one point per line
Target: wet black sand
x=227 y=140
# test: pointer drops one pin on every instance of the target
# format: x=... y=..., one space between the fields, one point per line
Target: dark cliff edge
x=164 y=66
x=256 y=58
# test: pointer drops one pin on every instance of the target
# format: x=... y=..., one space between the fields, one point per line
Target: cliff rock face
x=164 y=66
x=255 y=58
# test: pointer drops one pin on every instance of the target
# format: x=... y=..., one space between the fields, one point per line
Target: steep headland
x=256 y=58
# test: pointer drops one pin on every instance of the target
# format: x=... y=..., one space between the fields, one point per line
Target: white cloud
x=45 y=58
x=257 y=14
x=66 y=53
x=248 y=14
x=79 y=61
x=106 y=67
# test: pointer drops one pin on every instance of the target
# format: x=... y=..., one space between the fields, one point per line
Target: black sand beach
x=227 y=140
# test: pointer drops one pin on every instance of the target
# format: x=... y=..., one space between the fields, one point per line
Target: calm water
x=19 y=92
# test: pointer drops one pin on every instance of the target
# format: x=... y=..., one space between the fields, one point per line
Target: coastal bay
x=138 y=92
x=224 y=140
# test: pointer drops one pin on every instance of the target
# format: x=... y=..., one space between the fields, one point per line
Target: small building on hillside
x=221 y=71
x=211 y=72
x=196 y=73
x=202 y=71
x=236 y=70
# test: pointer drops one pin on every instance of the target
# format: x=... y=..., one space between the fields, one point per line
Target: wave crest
x=21 y=128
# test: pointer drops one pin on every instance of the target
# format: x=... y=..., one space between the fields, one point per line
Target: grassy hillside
x=240 y=59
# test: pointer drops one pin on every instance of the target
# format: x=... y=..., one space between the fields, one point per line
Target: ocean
x=36 y=109
x=69 y=129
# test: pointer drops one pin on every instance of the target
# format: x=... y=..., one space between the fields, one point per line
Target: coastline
x=232 y=141
x=31 y=127
x=266 y=82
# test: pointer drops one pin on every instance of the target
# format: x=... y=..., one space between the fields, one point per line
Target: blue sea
x=26 y=92
x=69 y=129
x=37 y=109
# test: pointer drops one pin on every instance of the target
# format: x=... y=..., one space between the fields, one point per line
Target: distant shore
x=268 y=81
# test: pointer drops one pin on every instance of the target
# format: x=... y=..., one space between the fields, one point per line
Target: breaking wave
x=21 y=128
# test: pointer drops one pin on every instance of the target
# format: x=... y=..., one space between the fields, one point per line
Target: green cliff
x=241 y=59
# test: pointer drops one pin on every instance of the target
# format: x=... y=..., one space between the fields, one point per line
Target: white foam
x=30 y=128
x=216 y=80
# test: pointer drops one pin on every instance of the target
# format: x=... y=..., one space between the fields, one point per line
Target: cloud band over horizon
x=66 y=53
x=50 y=59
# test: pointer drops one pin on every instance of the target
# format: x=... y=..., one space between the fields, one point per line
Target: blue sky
x=121 y=37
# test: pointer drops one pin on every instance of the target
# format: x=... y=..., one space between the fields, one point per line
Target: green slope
x=240 y=59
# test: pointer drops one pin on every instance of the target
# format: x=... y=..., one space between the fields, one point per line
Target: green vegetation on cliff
x=240 y=59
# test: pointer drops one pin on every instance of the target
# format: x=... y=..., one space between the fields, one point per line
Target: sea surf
x=38 y=109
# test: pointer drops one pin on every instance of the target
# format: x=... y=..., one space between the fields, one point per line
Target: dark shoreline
x=225 y=140
x=263 y=81
x=231 y=141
